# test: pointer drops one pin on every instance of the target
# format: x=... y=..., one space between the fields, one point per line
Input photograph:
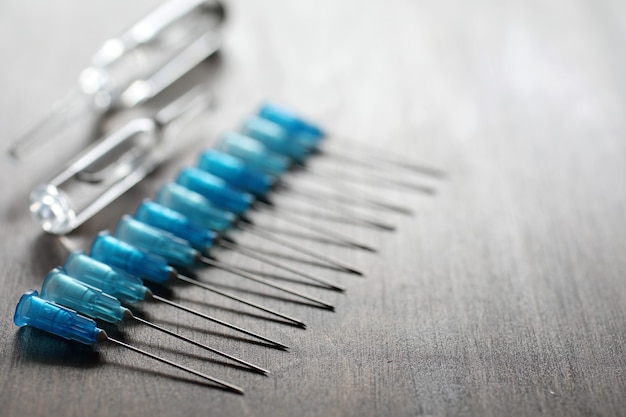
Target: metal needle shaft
x=209 y=287
x=351 y=200
x=332 y=215
x=247 y=252
x=230 y=326
x=202 y=345
x=254 y=229
x=226 y=385
x=371 y=152
x=376 y=181
x=285 y=215
x=247 y=275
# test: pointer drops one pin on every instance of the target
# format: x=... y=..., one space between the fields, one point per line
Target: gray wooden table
x=503 y=295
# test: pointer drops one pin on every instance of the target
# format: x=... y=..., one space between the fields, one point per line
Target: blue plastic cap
x=44 y=315
x=178 y=224
x=159 y=242
x=235 y=172
x=119 y=284
x=253 y=153
x=294 y=124
x=113 y=252
x=196 y=207
x=275 y=138
x=215 y=189
x=90 y=301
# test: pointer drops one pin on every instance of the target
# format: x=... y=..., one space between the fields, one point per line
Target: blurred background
x=503 y=295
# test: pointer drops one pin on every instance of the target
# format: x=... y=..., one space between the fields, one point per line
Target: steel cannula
x=235 y=172
x=378 y=159
x=125 y=287
x=277 y=139
x=242 y=174
x=232 y=245
x=202 y=198
x=254 y=154
x=218 y=192
x=50 y=317
x=305 y=135
x=239 y=175
x=203 y=239
x=329 y=214
x=378 y=156
x=121 y=255
x=201 y=211
x=255 y=230
x=381 y=182
x=311 y=135
x=118 y=283
x=93 y=302
x=365 y=201
x=179 y=252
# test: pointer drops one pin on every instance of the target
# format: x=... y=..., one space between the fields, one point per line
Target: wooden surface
x=503 y=295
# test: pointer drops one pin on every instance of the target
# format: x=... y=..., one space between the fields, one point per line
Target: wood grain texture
x=504 y=294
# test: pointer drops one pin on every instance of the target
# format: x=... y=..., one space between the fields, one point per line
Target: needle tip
x=367 y=248
x=262 y=371
x=354 y=271
x=236 y=390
